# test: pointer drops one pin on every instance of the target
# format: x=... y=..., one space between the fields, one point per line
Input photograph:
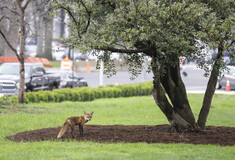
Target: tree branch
x=9 y=44
x=162 y=101
x=230 y=44
x=73 y=18
x=26 y=4
x=2 y=18
x=15 y=12
x=18 y=2
x=176 y=91
x=125 y=50
x=210 y=89
x=89 y=15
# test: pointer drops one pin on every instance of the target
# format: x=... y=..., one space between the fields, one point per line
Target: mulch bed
x=223 y=136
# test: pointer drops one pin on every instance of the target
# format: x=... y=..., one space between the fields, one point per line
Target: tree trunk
x=22 y=71
x=177 y=111
x=39 y=36
x=2 y=47
x=210 y=90
x=49 y=37
x=62 y=24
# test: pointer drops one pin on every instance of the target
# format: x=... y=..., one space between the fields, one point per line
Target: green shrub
x=31 y=97
x=84 y=93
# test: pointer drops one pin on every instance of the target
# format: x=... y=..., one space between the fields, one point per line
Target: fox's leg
x=81 y=130
x=72 y=130
x=71 y=124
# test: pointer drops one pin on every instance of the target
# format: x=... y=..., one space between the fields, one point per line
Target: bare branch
x=9 y=19
x=13 y=11
x=9 y=44
x=19 y=4
x=22 y=7
x=26 y=4
x=2 y=18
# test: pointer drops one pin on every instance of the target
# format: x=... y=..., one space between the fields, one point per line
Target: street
x=193 y=81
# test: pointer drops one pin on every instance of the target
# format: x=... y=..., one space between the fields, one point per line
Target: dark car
x=229 y=76
x=71 y=79
x=36 y=78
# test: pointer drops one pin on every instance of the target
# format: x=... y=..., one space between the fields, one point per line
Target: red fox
x=72 y=121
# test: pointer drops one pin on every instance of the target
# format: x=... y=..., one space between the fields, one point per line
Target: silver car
x=229 y=76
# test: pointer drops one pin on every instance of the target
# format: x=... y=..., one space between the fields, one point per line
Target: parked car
x=36 y=78
x=228 y=75
x=70 y=79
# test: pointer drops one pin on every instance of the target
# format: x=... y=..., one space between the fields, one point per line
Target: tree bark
x=2 y=47
x=49 y=37
x=62 y=24
x=22 y=44
x=21 y=58
x=176 y=91
x=177 y=111
x=39 y=36
x=210 y=90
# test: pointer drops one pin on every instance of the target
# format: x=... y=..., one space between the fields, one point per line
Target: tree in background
x=43 y=28
x=21 y=7
x=19 y=19
x=38 y=27
x=9 y=26
x=162 y=30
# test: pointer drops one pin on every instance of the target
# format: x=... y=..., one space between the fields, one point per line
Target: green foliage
x=163 y=29
x=84 y=93
x=8 y=99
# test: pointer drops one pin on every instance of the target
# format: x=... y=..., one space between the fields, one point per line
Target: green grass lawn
x=55 y=64
x=126 y=111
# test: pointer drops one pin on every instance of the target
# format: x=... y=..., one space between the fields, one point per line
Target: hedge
x=84 y=93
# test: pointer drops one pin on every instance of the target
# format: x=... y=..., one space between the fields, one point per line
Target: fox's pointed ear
x=85 y=112
x=92 y=113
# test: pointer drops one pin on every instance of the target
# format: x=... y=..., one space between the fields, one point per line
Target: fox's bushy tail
x=63 y=129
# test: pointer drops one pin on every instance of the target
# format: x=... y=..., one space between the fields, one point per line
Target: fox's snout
x=87 y=119
x=87 y=116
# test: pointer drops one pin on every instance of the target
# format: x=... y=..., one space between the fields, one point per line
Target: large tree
x=163 y=30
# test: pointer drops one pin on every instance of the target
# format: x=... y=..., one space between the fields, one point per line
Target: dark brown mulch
x=224 y=136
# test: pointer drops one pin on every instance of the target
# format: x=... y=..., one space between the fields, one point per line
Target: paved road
x=195 y=81
x=120 y=78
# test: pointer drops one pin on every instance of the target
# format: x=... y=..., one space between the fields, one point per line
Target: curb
x=216 y=92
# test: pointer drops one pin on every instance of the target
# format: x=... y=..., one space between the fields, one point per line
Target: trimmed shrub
x=84 y=93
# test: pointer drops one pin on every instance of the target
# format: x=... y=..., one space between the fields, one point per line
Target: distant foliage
x=84 y=93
